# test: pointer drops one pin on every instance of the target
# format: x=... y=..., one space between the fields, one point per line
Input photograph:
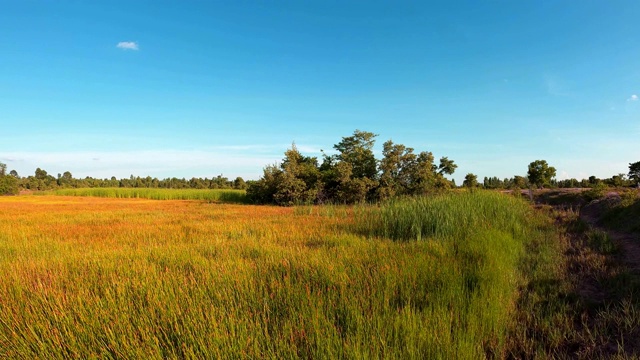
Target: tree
x=263 y=190
x=470 y=181
x=239 y=183
x=297 y=183
x=8 y=184
x=540 y=173
x=395 y=170
x=423 y=175
x=357 y=150
x=446 y=166
x=634 y=172
x=296 y=180
x=519 y=182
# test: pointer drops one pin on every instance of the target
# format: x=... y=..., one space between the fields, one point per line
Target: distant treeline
x=351 y=175
x=620 y=180
x=12 y=182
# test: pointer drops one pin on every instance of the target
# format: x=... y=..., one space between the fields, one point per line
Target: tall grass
x=452 y=216
x=115 y=278
x=482 y=237
x=216 y=195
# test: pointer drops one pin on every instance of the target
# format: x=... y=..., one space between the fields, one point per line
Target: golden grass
x=132 y=278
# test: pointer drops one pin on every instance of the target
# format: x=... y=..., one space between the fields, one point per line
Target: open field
x=93 y=277
x=215 y=195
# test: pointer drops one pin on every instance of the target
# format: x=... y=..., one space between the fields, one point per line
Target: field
x=90 y=277
x=215 y=195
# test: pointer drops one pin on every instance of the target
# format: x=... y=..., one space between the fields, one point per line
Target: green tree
x=239 y=183
x=357 y=150
x=299 y=178
x=296 y=180
x=540 y=173
x=634 y=172
x=446 y=166
x=423 y=175
x=395 y=170
x=263 y=190
x=8 y=184
x=470 y=180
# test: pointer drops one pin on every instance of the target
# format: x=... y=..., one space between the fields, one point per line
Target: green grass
x=626 y=215
x=492 y=245
x=216 y=195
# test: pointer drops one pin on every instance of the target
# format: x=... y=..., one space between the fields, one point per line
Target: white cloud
x=633 y=97
x=128 y=45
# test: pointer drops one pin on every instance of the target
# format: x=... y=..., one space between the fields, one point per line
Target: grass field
x=214 y=195
x=87 y=277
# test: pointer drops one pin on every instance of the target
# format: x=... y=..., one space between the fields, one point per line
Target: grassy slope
x=88 y=277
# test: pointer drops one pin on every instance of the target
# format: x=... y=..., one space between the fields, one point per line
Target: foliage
x=634 y=172
x=540 y=173
x=446 y=166
x=357 y=150
x=471 y=180
x=43 y=181
x=8 y=183
x=598 y=191
x=296 y=180
x=353 y=175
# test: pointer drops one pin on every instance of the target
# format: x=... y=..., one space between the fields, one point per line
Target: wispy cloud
x=128 y=45
x=633 y=97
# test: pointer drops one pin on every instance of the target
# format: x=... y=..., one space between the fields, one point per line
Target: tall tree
x=423 y=175
x=540 y=173
x=395 y=169
x=357 y=150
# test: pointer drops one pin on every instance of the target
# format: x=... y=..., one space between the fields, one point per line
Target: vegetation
x=132 y=278
x=470 y=180
x=42 y=180
x=353 y=175
x=540 y=173
x=217 y=195
x=8 y=183
x=634 y=172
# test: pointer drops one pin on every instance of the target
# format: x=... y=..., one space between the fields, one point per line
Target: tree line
x=11 y=183
x=351 y=175
x=541 y=175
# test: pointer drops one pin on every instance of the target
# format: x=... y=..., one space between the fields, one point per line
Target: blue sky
x=194 y=88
